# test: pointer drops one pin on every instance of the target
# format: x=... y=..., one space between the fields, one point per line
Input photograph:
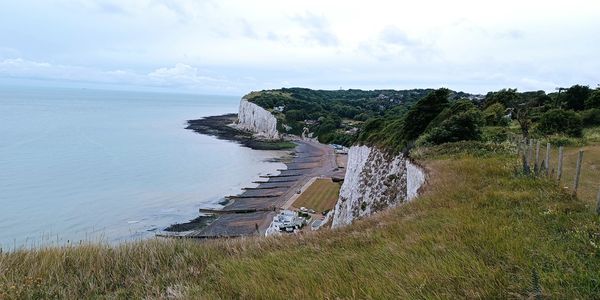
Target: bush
x=494 y=115
x=591 y=117
x=593 y=101
x=557 y=121
x=474 y=148
x=463 y=122
x=494 y=134
x=576 y=96
x=563 y=140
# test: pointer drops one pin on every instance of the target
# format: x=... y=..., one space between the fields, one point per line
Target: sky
x=233 y=47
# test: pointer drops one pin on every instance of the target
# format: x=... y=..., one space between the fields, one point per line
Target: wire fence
x=542 y=162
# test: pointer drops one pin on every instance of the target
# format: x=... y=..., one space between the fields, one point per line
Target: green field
x=320 y=196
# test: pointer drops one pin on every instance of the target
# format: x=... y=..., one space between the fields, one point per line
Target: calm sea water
x=110 y=166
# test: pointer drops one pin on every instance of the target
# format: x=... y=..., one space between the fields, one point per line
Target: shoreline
x=219 y=127
x=251 y=211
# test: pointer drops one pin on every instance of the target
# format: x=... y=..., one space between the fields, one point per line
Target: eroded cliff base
x=219 y=127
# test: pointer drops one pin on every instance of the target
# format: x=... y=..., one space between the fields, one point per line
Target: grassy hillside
x=479 y=231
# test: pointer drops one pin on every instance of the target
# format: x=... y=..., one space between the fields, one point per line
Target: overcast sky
x=232 y=47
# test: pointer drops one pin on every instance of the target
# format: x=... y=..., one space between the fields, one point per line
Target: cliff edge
x=375 y=180
x=257 y=120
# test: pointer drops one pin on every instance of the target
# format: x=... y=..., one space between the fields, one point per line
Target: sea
x=84 y=165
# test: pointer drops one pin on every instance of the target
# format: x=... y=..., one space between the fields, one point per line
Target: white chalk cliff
x=257 y=120
x=374 y=181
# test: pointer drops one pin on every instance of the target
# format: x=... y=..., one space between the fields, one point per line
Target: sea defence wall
x=258 y=120
x=375 y=180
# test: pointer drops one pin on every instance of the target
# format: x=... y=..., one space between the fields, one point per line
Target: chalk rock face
x=415 y=178
x=374 y=181
x=258 y=120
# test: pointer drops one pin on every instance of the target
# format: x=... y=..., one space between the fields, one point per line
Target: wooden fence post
x=526 y=157
x=530 y=152
x=560 y=163
x=537 y=157
x=598 y=204
x=577 y=172
x=547 y=160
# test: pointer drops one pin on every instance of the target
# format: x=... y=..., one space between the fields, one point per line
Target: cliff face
x=415 y=178
x=373 y=182
x=256 y=119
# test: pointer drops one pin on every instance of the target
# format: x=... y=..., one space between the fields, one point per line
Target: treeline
x=397 y=120
x=336 y=116
x=436 y=119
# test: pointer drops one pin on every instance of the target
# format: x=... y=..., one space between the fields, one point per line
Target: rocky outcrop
x=258 y=120
x=375 y=180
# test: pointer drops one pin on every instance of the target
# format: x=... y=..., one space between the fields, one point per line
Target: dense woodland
x=399 y=119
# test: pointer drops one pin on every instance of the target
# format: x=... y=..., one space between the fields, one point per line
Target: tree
x=591 y=117
x=295 y=115
x=576 y=96
x=494 y=115
x=593 y=101
x=422 y=113
x=463 y=123
x=561 y=121
x=523 y=116
x=506 y=97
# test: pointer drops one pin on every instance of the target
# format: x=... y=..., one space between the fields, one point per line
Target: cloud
x=393 y=35
x=110 y=8
x=215 y=44
x=393 y=44
x=317 y=28
x=180 y=75
x=248 y=29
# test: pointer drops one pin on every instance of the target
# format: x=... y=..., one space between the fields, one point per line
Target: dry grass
x=320 y=196
x=589 y=183
x=478 y=232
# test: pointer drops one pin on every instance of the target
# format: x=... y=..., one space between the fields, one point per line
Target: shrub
x=593 y=101
x=494 y=134
x=591 y=117
x=494 y=115
x=563 y=140
x=560 y=121
x=576 y=96
x=462 y=123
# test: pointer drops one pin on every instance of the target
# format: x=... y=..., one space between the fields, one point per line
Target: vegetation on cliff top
x=335 y=116
x=398 y=120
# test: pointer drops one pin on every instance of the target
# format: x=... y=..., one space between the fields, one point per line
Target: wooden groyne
x=250 y=212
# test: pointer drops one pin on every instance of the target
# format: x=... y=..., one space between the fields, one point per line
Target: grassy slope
x=478 y=231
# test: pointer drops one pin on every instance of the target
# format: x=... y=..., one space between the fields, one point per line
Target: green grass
x=478 y=231
x=320 y=196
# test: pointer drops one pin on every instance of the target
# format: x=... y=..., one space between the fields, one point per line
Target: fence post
x=577 y=172
x=526 y=157
x=560 y=163
x=530 y=152
x=547 y=160
x=537 y=157
x=598 y=204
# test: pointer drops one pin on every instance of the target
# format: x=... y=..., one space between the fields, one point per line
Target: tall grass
x=479 y=231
